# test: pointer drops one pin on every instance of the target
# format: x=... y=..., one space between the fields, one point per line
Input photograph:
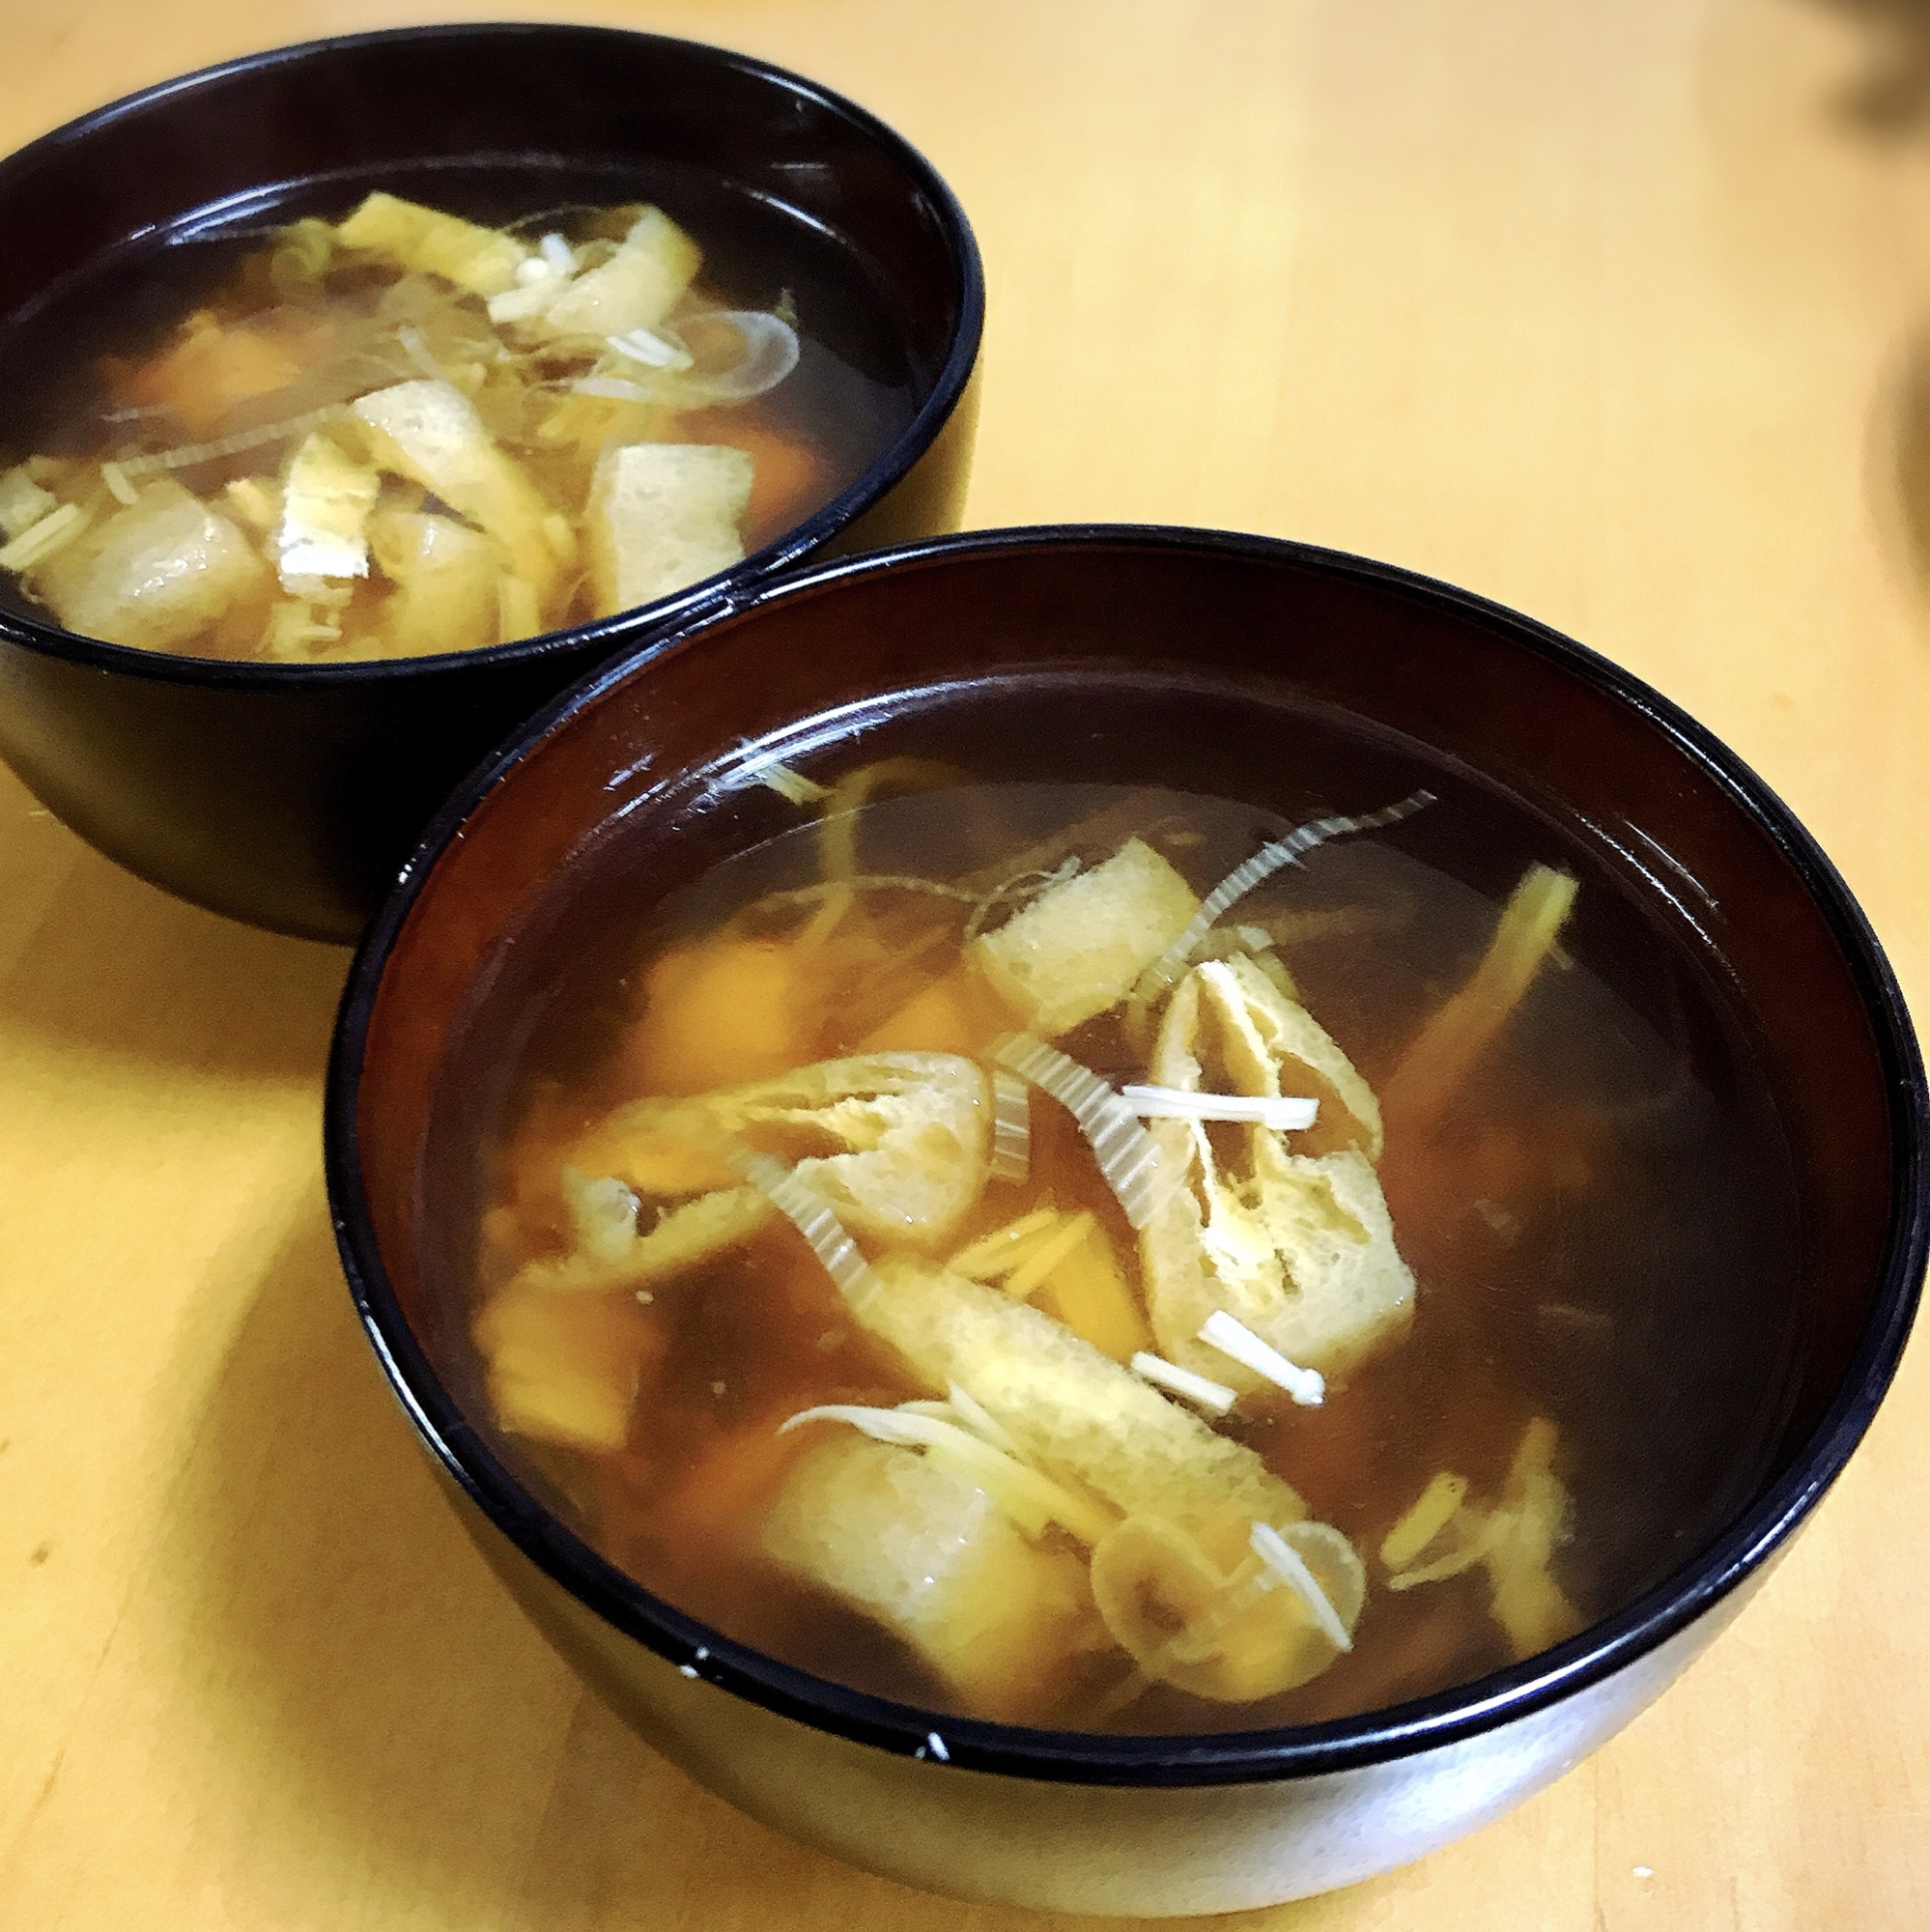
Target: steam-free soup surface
x=406 y=432
x=781 y=1152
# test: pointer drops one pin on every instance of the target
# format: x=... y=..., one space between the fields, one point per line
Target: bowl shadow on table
x=1891 y=94
x=377 y=1716
x=118 y=966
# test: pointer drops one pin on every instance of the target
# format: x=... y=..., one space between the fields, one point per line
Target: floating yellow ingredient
x=562 y=1368
x=482 y=260
x=714 y=1016
x=22 y=504
x=637 y=288
x=325 y=499
x=1455 y=1037
x=430 y=433
x=662 y=516
x=445 y=578
x=1078 y=948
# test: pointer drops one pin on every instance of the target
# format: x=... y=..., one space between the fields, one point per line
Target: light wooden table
x=1612 y=310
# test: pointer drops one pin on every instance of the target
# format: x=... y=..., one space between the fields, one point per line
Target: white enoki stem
x=1233 y=1337
x=416 y=348
x=1284 y=1113
x=1032 y=1497
x=1214 y=1397
x=1199 y=1639
x=651 y=350
x=1274 y=1563
x=610 y=389
x=977 y=1416
x=1291 y=1566
x=863 y=882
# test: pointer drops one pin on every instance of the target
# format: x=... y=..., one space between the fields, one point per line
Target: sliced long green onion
x=1243 y=879
x=1127 y=1155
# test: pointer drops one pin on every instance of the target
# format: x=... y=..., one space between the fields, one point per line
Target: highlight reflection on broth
x=406 y=433
x=1001 y=1270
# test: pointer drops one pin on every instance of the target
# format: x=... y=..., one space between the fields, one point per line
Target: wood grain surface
x=1615 y=310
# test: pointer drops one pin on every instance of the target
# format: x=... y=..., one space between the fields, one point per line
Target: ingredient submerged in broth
x=1016 y=1397
x=407 y=433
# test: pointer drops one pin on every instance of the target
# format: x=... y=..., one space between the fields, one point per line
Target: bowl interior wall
x=509 y=91
x=1641 y=806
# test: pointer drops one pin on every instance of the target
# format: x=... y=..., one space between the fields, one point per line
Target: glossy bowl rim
x=1606 y=1647
x=714 y=596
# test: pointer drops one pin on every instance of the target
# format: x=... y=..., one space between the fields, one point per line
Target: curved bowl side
x=290 y=808
x=289 y=796
x=1245 y=1818
x=1128 y=1850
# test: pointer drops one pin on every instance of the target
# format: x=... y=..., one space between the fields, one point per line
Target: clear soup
x=434 y=413
x=1544 y=1290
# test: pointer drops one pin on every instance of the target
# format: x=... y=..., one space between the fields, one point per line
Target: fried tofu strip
x=1295 y=1246
x=930 y=1555
x=1072 y=1409
x=1077 y=949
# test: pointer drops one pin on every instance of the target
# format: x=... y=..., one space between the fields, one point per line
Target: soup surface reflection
x=821 y=1286
x=419 y=426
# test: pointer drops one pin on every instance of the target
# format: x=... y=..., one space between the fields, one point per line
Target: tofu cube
x=1077 y=949
x=662 y=516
